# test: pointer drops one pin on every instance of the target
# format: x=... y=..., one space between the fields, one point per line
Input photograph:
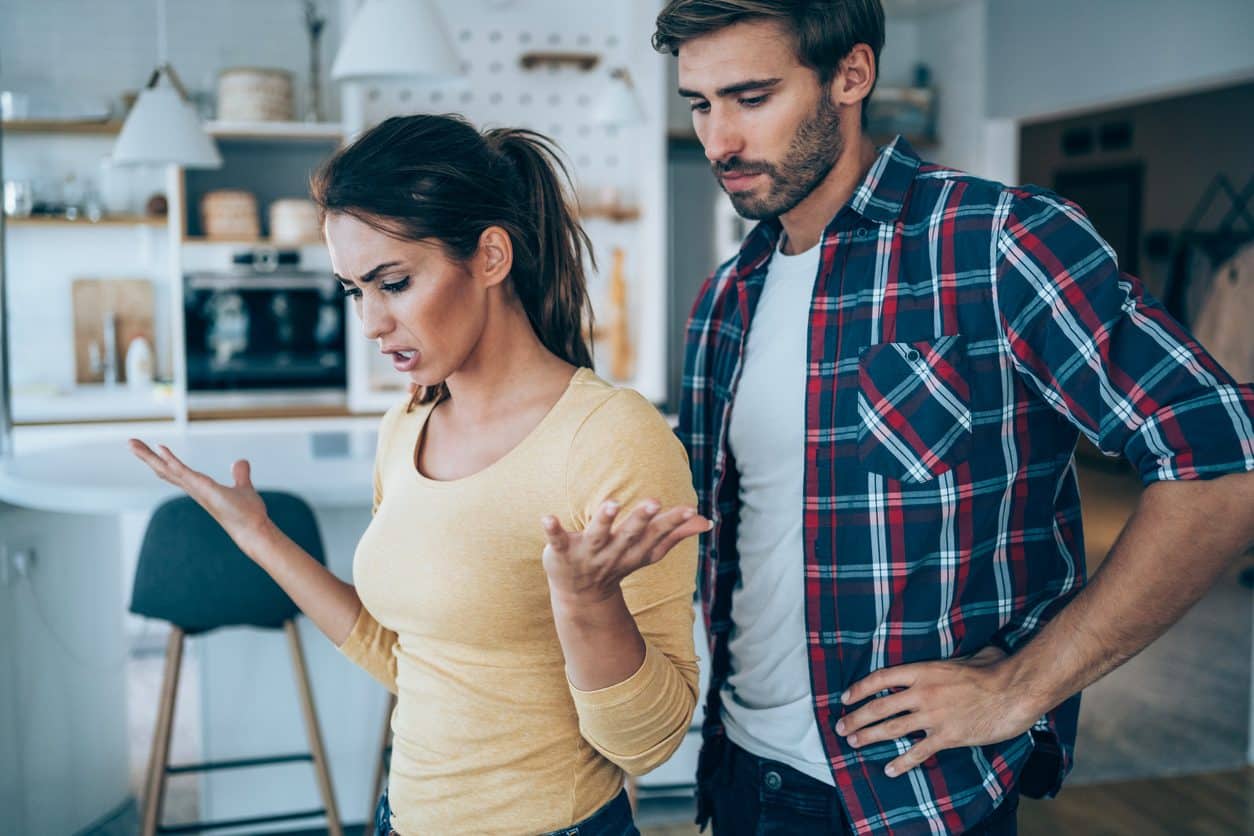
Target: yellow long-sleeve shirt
x=489 y=735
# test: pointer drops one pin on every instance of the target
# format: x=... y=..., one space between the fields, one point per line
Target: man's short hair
x=825 y=31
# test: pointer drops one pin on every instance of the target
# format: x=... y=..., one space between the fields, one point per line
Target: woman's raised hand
x=238 y=508
x=589 y=565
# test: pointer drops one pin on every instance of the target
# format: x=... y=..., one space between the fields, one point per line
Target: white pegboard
x=559 y=101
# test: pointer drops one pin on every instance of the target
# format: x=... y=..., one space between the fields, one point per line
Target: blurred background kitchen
x=163 y=276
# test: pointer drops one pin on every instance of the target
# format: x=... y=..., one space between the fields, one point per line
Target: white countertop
x=328 y=462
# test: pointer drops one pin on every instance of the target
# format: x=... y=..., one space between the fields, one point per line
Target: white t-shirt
x=767 y=707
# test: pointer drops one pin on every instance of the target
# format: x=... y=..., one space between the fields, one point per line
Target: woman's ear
x=495 y=257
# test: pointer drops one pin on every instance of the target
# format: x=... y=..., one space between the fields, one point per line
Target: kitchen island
x=73 y=506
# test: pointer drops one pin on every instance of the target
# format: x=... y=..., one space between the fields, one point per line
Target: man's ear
x=855 y=76
x=495 y=257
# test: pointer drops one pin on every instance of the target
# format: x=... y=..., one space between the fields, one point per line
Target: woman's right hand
x=238 y=508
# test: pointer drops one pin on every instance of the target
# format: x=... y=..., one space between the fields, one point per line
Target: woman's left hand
x=588 y=566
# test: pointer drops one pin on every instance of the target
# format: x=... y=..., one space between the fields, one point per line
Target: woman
x=538 y=649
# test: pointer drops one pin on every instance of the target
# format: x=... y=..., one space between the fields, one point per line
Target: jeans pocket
x=914 y=412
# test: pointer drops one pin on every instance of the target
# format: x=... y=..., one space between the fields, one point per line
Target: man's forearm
x=1179 y=540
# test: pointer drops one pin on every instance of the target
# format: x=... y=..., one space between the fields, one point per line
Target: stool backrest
x=192 y=575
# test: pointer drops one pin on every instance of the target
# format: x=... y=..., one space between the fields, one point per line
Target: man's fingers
x=889 y=730
x=917 y=754
x=597 y=534
x=874 y=711
x=558 y=539
x=902 y=676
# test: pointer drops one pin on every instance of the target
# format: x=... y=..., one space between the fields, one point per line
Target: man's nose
x=720 y=138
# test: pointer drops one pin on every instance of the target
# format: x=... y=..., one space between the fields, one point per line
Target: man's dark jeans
x=753 y=796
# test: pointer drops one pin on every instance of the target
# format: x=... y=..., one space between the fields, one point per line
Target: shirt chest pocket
x=914 y=413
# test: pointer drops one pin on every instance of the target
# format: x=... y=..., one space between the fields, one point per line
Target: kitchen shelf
x=254 y=242
x=276 y=130
x=82 y=222
x=617 y=214
x=62 y=126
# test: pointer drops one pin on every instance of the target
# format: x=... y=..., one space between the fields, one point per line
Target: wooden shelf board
x=276 y=130
x=83 y=223
x=255 y=242
x=617 y=215
x=62 y=126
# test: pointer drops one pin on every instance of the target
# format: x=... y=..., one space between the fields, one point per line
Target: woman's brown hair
x=437 y=178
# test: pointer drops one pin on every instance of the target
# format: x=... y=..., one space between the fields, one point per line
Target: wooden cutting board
x=129 y=301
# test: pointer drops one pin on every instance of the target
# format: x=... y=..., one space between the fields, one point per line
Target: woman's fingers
x=688 y=525
x=558 y=539
x=597 y=534
x=145 y=454
x=241 y=472
x=637 y=525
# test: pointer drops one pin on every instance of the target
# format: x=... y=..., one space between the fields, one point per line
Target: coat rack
x=1220 y=242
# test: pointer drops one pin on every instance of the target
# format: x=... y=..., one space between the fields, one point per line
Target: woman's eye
x=351 y=292
x=396 y=286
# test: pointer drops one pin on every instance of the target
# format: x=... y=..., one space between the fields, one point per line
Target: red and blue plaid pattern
x=962 y=334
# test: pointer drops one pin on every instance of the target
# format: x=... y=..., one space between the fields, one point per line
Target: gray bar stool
x=192 y=575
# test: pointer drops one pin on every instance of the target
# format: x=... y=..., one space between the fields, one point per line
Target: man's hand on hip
x=971 y=701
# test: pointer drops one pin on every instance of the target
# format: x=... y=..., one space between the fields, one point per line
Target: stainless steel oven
x=264 y=336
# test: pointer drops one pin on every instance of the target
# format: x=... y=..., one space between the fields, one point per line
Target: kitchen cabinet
x=270 y=160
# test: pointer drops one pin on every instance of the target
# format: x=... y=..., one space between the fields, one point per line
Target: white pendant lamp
x=162 y=126
x=396 y=39
x=618 y=104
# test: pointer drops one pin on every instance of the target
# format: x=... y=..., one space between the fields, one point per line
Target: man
x=883 y=393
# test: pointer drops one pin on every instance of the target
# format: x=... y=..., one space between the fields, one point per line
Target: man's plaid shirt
x=961 y=335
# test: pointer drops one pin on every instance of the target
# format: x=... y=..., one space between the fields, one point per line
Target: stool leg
x=321 y=770
x=380 y=768
x=159 y=757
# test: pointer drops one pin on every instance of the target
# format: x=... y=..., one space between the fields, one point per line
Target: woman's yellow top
x=489 y=735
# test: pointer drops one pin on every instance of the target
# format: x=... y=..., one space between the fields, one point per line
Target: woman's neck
x=509 y=369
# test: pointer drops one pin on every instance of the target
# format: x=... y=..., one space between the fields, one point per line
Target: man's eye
x=753 y=101
x=699 y=107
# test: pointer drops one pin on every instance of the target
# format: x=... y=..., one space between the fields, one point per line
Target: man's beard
x=815 y=148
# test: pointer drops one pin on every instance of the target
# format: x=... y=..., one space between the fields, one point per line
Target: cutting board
x=129 y=301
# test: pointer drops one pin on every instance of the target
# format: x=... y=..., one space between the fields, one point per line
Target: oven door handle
x=213 y=282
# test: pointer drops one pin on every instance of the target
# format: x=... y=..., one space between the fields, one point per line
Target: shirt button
x=912 y=356
x=861 y=233
x=772 y=780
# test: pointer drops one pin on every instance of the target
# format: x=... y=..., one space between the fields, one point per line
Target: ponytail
x=428 y=177
x=552 y=287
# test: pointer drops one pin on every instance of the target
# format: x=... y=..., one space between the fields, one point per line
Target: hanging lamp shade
x=163 y=128
x=617 y=104
x=395 y=39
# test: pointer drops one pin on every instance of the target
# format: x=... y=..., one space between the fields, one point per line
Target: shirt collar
x=880 y=198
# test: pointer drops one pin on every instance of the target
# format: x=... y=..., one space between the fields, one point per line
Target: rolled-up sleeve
x=626 y=451
x=1104 y=353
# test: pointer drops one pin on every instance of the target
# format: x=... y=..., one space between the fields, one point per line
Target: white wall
x=86 y=51
x=1062 y=55
x=951 y=43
